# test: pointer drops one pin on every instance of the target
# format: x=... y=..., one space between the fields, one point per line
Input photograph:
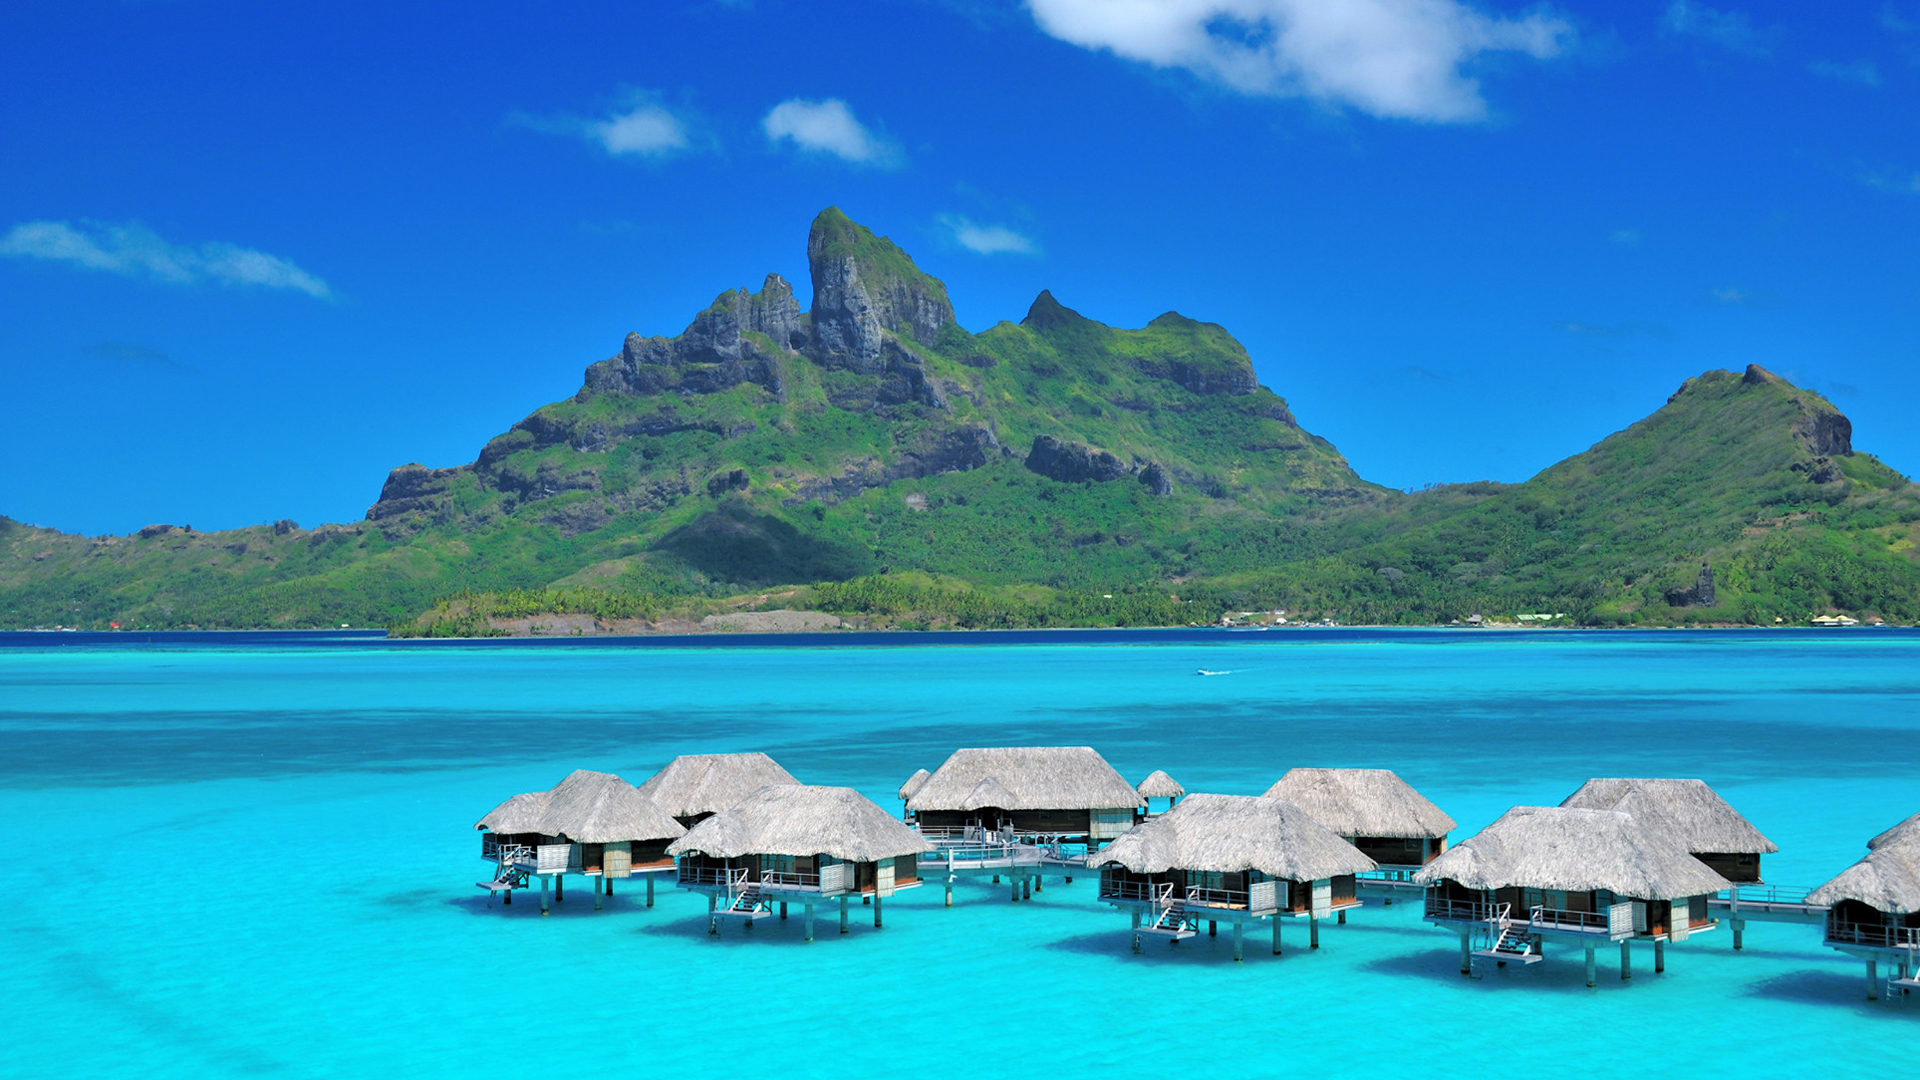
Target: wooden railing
x=1440 y=907
x=1872 y=935
x=725 y=877
x=783 y=879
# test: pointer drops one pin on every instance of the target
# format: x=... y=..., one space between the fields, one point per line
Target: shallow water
x=260 y=860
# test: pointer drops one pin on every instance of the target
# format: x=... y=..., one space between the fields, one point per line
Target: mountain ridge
x=872 y=434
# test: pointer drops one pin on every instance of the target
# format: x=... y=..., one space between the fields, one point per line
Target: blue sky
x=254 y=256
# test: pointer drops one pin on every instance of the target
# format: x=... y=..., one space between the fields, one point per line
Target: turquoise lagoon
x=260 y=860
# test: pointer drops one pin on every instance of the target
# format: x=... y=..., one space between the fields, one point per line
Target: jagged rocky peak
x=865 y=288
x=733 y=341
x=1050 y=314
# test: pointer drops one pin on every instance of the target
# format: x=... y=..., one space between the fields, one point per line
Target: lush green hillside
x=1051 y=472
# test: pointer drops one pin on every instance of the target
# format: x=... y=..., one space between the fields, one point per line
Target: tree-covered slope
x=872 y=435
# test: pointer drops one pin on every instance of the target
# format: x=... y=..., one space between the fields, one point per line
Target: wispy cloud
x=127 y=354
x=1626 y=237
x=1904 y=183
x=1401 y=59
x=987 y=239
x=1738 y=296
x=828 y=127
x=1420 y=374
x=1859 y=71
x=1731 y=30
x=1626 y=329
x=135 y=250
x=1892 y=20
x=640 y=126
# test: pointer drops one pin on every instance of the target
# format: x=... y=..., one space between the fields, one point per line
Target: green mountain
x=892 y=464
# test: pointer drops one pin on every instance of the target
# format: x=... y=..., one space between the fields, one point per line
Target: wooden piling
x=713 y=917
x=949 y=890
x=1659 y=957
x=1213 y=928
x=1313 y=932
x=559 y=887
x=1626 y=961
x=809 y=922
x=876 y=911
x=649 y=890
x=1739 y=933
x=1873 y=980
x=1590 y=970
x=1343 y=916
x=1238 y=952
x=843 y=914
x=1276 y=935
x=1026 y=886
x=1466 y=954
x=596 y=894
x=783 y=909
x=543 y=894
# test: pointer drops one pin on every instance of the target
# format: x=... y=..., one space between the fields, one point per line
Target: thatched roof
x=1542 y=847
x=796 y=819
x=1906 y=830
x=1887 y=880
x=1028 y=778
x=1363 y=802
x=1158 y=785
x=695 y=784
x=1231 y=833
x=1689 y=810
x=522 y=813
x=913 y=783
x=585 y=808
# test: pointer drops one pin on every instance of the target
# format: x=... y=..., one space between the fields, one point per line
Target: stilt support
x=843 y=914
x=1466 y=954
x=713 y=917
x=1313 y=932
x=1038 y=881
x=1213 y=928
x=1013 y=889
x=1276 y=935
x=559 y=887
x=1739 y=934
x=1626 y=961
x=1590 y=978
x=876 y=911
x=1659 y=957
x=649 y=890
x=809 y=922
x=1026 y=887
x=597 y=898
x=1873 y=980
x=783 y=909
x=543 y=894
x=1239 y=950
x=949 y=890
x=1343 y=916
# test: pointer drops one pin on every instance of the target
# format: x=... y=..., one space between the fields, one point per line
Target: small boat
x=1204 y=671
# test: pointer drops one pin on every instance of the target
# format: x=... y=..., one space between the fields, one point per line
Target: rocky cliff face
x=865 y=288
x=714 y=352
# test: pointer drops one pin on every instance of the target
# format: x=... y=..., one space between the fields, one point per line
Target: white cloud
x=828 y=127
x=1731 y=30
x=641 y=127
x=1860 y=71
x=649 y=130
x=1626 y=237
x=1390 y=58
x=988 y=239
x=134 y=249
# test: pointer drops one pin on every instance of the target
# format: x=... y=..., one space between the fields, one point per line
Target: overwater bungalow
x=1692 y=813
x=1237 y=859
x=1158 y=785
x=1068 y=795
x=1696 y=815
x=1376 y=811
x=1588 y=877
x=694 y=787
x=1873 y=907
x=793 y=843
x=592 y=823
